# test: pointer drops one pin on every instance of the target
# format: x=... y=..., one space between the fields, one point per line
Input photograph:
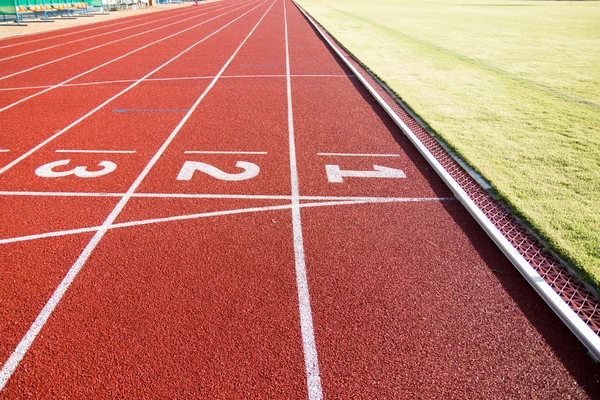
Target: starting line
x=217 y=214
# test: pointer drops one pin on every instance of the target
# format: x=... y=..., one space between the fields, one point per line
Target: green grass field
x=511 y=86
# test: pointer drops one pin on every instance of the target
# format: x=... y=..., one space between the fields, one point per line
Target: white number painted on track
x=336 y=175
x=189 y=167
x=47 y=170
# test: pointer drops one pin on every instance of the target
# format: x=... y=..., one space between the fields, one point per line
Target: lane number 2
x=250 y=170
x=48 y=170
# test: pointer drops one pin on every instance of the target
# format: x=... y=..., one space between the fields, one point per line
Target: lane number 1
x=336 y=175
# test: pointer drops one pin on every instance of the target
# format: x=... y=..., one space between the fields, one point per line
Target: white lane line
x=61 y=194
x=124 y=55
x=168 y=79
x=67 y=34
x=226 y=196
x=97 y=151
x=4 y=151
x=76 y=122
x=206 y=215
x=311 y=360
x=224 y=152
x=17 y=355
x=358 y=155
x=86 y=38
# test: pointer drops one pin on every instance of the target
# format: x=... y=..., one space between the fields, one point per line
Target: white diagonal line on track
x=66 y=34
x=86 y=38
x=102 y=45
x=76 y=122
x=329 y=202
x=63 y=83
x=17 y=355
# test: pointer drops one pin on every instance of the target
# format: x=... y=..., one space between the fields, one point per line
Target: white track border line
x=63 y=83
x=86 y=38
x=581 y=330
x=337 y=202
x=311 y=359
x=17 y=355
x=196 y=15
x=93 y=111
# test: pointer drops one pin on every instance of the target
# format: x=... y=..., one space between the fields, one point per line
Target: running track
x=191 y=208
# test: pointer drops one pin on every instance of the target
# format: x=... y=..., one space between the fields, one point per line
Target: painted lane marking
x=250 y=170
x=17 y=355
x=224 y=152
x=93 y=48
x=120 y=57
x=227 y=196
x=86 y=38
x=336 y=175
x=61 y=194
x=172 y=79
x=358 y=155
x=311 y=360
x=66 y=34
x=209 y=214
x=4 y=151
x=97 y=151
x=47 y=170
x=76 y=122
x=134 y=110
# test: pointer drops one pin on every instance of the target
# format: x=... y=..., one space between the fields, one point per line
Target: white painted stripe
x=17 y=355
x=66 y=34
x=48 y=235
x=92 y=48
x=205 y=215
x=227 y=196
x=4 y=151
x=224 y=152
x=579 y=328
x=224 y=212
x=358 y=155
x=121 y=56
x=86 y=38
x=97 y=151
x=76 y=122
x=61 y=194
x=311 y=360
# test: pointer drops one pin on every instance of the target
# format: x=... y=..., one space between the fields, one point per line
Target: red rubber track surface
x=193 y=291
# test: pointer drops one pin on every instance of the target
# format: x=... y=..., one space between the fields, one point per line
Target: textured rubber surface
x=193 y=289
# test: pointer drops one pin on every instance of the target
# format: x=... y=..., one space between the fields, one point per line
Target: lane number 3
x=48 y=170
